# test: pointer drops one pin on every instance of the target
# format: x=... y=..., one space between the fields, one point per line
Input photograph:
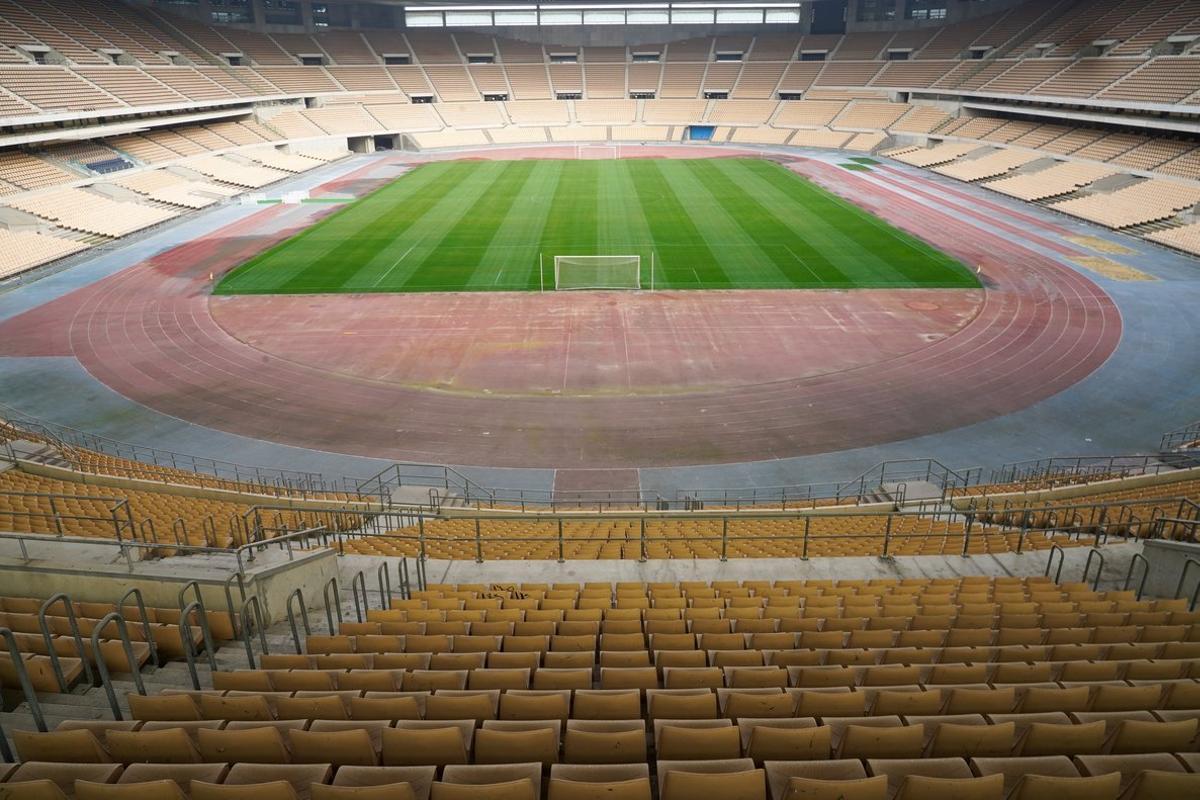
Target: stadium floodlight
x=600 y=272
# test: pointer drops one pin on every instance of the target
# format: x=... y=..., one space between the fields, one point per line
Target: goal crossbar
x=597 y=272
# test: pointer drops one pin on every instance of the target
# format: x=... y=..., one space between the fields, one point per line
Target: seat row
x=958 y=666
x=971 y=585
x=1054 y=615
x=715 y=635
x=1159 y=776
x=696 y=703
x=178 y=757
x=571 y=601
x=549 y=741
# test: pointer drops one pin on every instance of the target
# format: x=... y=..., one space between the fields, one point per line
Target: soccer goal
x=600 y=272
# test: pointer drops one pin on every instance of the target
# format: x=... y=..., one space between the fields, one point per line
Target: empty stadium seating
x=669 y=689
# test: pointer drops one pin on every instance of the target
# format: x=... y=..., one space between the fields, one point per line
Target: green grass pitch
x=711 y=224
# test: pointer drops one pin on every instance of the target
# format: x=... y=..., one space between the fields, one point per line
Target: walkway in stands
x=998 y=363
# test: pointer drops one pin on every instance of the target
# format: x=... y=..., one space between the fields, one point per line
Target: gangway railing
x=48 y=639
x=27 y=690
x=1096 y=467
x=1186 y=437
x=298 y=594
x=118 y=620
x=252 y=604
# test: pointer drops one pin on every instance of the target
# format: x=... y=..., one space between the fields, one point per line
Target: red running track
x=927 y=362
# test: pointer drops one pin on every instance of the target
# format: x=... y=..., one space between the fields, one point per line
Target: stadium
x=599 y=401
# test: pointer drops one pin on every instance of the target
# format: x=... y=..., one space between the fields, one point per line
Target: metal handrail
x=1129 y=575
x=252 y=601
x=1087 y=566
x=1062 y=556
x=65 y=437
x=1059 y=466
x=1180 y=437
x=402 y=575
x=47 y=638
x=332 y=607
x=18 y=662
x=298 y=593
x=384 y=579
x=210 y=649
x=359 y=582
x=440 y=475
x=1187 y=565
x=102 y=667
x=241 y=582
x=185 y=636
x=147 y=631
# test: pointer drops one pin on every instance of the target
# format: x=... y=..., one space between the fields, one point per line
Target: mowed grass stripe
x=480 y=225
x=835 y=259
x=394 y=265
x=862 y=261
x=678 y=245
x=622 y=229
x=373 y=247
x=738 y=252
x=794 y=256
x=451 y=258
x=511 y=260
x=919 y=263
x=571 y=228
x=326 y=245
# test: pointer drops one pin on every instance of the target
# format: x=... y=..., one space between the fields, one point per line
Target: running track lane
x=147 y=333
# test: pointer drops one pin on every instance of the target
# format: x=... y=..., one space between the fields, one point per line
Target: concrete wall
x=272 y=579
x=1167 y=561
x=1116 y=562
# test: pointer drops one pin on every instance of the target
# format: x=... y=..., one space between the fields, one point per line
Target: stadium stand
x=119 y=118
x=614 y=694
x=1137 y=67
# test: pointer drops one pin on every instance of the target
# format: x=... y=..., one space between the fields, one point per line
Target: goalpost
x=600 y=272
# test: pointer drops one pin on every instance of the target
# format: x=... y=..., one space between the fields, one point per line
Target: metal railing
x=117 y=515
x=384 y=579
x=147 y=631
x=31 y=699
x=424 y=546
x=1188 y=436
x=298 y=593
x=1187 y=565
x=1065 y=468
x=48 y=639
x=333 y=604
x=210 y=650
x=432 y=476
x=867 y=487
x=1062 y=557
x=1133 y=562
x=208 y=472
x=257 y=623
x=188 y=642
x=242 y=554
x=1087 y=567
x=406 y=585
x=117 y=619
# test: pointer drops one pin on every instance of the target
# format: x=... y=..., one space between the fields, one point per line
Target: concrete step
x=58 y=711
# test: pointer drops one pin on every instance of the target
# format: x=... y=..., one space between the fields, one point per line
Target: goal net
x=597 y=272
